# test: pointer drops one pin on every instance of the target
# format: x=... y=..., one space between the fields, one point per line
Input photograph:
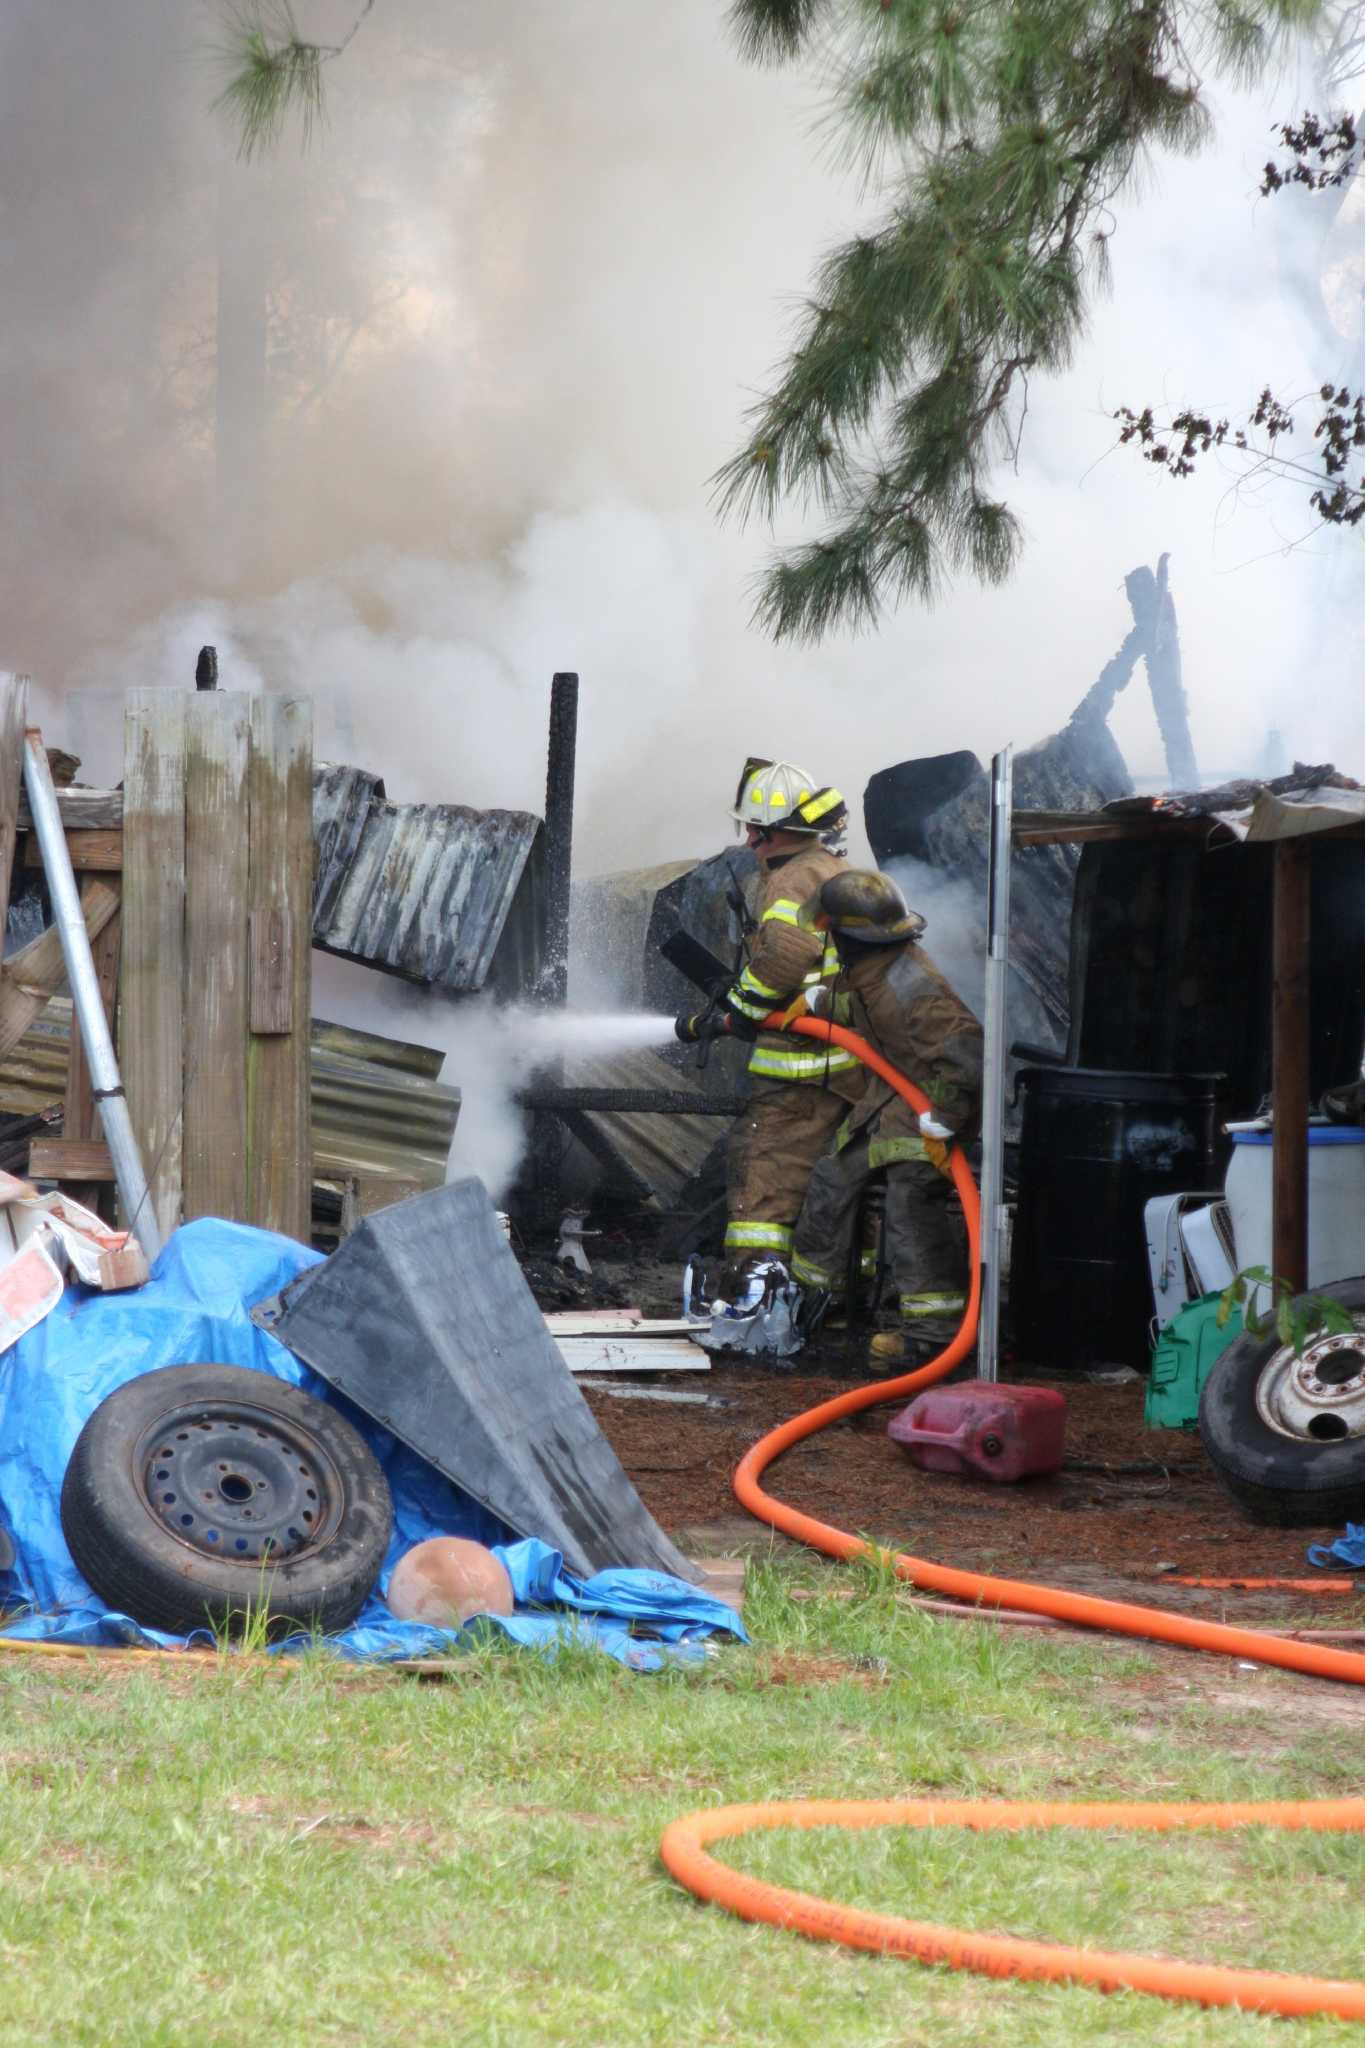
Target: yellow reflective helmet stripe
x=820 y=805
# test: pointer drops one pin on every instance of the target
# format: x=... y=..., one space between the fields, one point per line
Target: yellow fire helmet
x=865 y=905
x=782 y=797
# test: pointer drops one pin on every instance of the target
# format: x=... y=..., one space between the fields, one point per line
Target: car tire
x=200 y=1495
x=1286 y=1432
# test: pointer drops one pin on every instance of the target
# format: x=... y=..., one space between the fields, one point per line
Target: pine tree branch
x=274 y=71
x=1002 y=132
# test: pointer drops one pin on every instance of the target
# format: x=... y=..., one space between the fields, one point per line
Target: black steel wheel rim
x=236 y=1482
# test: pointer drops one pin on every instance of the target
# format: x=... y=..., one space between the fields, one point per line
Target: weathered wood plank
x=69 y=1159
x=91 y=852
x=279 y=1135
x=152 y=977
x=13 y=720
x=30 y=977
x=270 y=959
x=89 y=810
x=217 y=755
x=80 y=1118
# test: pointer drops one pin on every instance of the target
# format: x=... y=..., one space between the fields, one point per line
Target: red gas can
x=980 y=1427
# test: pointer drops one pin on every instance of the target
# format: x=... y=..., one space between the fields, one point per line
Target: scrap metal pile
x=205 y=1426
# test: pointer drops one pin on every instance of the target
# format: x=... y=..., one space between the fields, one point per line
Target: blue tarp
x=194 y=1310
x=1348 y=1549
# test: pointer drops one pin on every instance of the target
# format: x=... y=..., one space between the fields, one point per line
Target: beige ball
x=446 y=1581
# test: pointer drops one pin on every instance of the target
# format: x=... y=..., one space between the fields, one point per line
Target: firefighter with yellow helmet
x=908 y=1011
x=800 y=1090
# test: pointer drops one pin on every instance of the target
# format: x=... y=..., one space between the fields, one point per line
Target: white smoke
x=493 y=1051
x=955 y=925
x=517 y=295
x=515 y=300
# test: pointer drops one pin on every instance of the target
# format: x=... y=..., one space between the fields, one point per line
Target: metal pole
x=105 y=1085
x=993 y=1064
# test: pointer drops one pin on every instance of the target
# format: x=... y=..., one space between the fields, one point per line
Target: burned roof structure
x=437 y=893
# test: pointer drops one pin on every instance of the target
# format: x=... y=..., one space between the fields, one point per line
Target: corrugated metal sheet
x=341 y=803
x=379 y=1120
x=665 y=1151
x=436 y=892
x=367 y=1118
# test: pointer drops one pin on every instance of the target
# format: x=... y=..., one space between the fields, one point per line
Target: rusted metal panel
x=428 y=891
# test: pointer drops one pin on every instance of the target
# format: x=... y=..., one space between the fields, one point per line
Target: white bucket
x=1336 y=1201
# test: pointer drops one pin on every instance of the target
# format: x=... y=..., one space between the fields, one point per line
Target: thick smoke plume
x=416 y=418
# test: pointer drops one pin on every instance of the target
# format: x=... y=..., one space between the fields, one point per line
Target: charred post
x=1289 y=1063
x=546 y=1140
x=559 y=782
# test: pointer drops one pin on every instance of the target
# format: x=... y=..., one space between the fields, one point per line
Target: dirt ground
x=1131 y=1508
x=1096 y=1525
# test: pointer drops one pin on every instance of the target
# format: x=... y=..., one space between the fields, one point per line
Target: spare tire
x=1286 y=1430
x=200 y=1494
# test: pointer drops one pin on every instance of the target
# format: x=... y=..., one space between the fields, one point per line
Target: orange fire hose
x=684 y=1843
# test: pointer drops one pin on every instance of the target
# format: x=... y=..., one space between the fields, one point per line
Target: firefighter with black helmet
x=801 y=1091
x=904 y=1006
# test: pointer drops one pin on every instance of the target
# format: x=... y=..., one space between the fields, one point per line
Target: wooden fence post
x=280 y=899
x=152 y=975
x=217 y=751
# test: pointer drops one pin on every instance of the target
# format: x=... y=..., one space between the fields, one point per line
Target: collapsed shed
x=1217 y=968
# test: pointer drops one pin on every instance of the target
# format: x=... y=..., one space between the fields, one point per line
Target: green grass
x=305 y=1856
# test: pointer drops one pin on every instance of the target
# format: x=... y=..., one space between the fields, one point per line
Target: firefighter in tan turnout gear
x=801 y=1090
x=910 y=1014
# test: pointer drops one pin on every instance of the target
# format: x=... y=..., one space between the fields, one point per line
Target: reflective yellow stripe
x=828 y=970
x=786 y=910
x=811 y=1275
x=933 y=1304
x=782 y=1065
x=764 y=1237
x=823 y=801
x=905 y=1151
x=757 y=1011
x=750 y=981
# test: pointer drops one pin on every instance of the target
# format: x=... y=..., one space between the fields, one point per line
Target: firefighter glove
x=740 y=1026
x=937 y=1138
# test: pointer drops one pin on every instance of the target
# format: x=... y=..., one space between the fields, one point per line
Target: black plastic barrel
x=1094 y=1148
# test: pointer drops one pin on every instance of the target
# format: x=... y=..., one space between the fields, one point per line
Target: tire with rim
x=199 y=1494
x=1286 y=1431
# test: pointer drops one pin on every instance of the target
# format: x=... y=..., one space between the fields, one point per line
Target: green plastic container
x=1182 y=1360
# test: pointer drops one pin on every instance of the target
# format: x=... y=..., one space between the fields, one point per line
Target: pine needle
x=274 y=71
